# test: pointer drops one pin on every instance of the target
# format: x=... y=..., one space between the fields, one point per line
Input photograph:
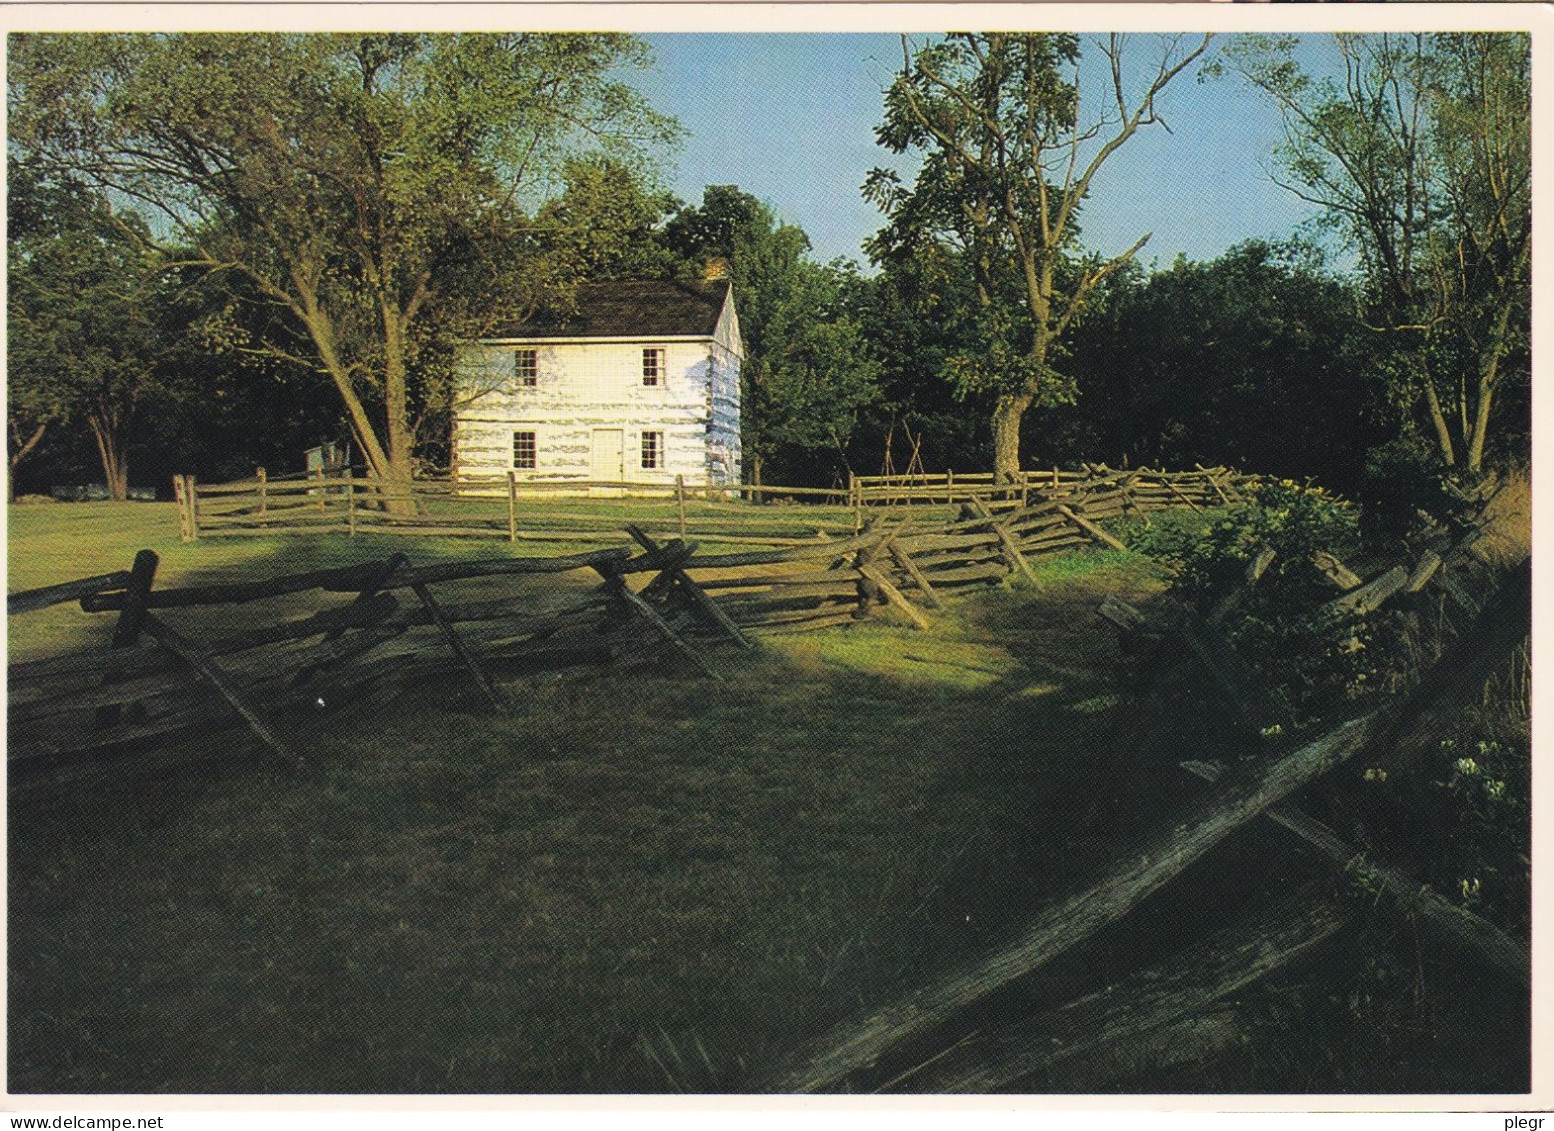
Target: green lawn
x=633 y=883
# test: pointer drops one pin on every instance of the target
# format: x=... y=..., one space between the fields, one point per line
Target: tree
x=1008 y=164
x=812 y=377
x=913 y=317
x=611 y=225
x=807 y=372
x=94 y=328
x=376 y=190
x=1245 y=359
x=1420 y=155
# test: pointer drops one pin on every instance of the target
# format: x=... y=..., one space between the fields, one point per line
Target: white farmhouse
x=640 y=384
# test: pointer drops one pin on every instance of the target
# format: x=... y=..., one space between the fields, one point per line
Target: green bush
x=1309 y=666
x=1405 y=487
x=1208 y=551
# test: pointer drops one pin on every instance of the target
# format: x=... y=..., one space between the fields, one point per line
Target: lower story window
x=525 y=451
x=652 y=449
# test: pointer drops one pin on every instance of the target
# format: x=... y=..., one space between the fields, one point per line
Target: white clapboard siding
x=585 y=385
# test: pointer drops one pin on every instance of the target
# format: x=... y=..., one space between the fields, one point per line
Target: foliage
x=97 y=330
x=377 y=191
x=1405 y=487
x=1002 y=178
x=1247 y=359
x=911 y=315
x=1311 y=666
x=808 y=370
x=1209 y=552
x=612 y=224
x=1421 y=159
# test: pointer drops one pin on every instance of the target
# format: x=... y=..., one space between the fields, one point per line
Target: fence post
x=183 y=510
x=194 y=506
x=512 y=505
x=1055 y=481
x=136 y=594
x=949 y=486
x=259 y=474
x=350 y=505
x=321 y=489
x=855 y=496
x=679 y=494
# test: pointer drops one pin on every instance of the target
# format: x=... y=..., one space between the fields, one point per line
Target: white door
x=609 y=460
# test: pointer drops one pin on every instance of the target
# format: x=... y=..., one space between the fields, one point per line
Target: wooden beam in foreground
x=1127 y=1014
x=1456 y=924
x=1148 y=866
x=186 y=651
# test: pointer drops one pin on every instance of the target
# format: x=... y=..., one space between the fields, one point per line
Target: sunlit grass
x=638 y=880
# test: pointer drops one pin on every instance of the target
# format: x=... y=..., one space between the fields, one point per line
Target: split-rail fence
x=326 y=634
x=503 y=508
x=948 y=1036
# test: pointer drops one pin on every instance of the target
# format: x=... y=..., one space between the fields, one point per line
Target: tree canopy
x=1420 y=156
x=807 y=372
x=1008 y=161
x=96 y=329
x=378 y=190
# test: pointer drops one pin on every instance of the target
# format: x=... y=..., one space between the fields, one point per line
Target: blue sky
x=791 y=118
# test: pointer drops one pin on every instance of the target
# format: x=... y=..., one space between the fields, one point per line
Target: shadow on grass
x=638 y=881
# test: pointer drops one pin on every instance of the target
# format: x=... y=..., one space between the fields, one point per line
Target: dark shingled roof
x=655 y=309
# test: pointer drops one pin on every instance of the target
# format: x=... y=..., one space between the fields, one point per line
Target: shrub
x=1310 y=667
x=1406 y=487
x=1208 y=551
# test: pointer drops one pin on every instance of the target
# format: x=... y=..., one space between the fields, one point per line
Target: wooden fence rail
x=501 y=508
x=926 y=1026
x=899 y=563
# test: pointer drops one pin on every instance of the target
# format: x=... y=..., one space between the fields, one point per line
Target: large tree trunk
x=112 y=435
x=23 y=448
x=1007 y=414
x=381 y=461
x=1489 y=375
x=396 y=399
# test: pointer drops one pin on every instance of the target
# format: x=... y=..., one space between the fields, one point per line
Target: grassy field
x=631 y=884
x=634 y=882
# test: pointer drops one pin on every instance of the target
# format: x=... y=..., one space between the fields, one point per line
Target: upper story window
x=652 y=366
x=526 y=368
